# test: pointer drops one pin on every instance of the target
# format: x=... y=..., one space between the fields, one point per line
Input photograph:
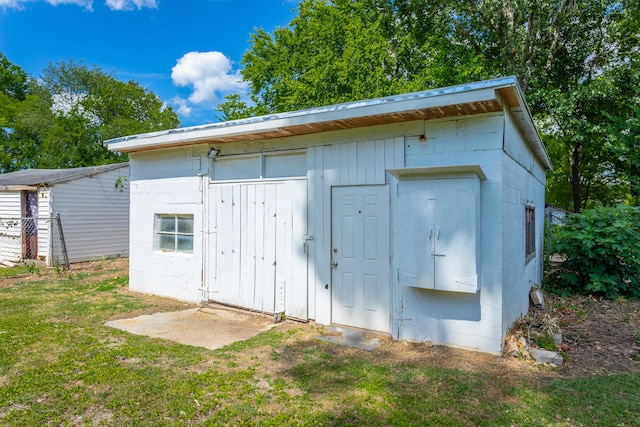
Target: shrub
x=602 y=251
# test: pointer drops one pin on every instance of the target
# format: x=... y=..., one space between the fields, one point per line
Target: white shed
x=419 y=215
x=93 y=204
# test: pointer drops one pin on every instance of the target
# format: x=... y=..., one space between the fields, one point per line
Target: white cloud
x=130 y=4
x=210 y=75
x=86 y=4
x=19 y=4
x=11 y=4
x=180 y=106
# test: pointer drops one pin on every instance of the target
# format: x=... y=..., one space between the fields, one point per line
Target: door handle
x=334 y=265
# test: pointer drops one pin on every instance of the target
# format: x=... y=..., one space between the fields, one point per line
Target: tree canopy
x=576 y=61
x=61 y=119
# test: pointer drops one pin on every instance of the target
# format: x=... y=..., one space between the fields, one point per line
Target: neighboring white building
x=93 y=203
x=419 y=215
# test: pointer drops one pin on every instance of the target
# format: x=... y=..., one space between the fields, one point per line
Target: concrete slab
x=351 y=338
x=547 y=356
x=208 y=327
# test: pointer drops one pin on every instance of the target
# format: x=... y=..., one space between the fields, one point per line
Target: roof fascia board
x=462 y=94
x=18 y=187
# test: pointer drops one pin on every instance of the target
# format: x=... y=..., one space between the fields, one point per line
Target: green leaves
x=62 y=120
x=602 y=248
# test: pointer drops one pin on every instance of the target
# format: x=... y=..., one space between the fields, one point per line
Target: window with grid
x=530 y=232
x=174 y=233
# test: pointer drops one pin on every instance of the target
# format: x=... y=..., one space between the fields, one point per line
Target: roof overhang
x=454 y=101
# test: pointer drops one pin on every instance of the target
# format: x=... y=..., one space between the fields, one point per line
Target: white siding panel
x=10 y=226
x=44 y=226
x=10 y=204
x=94 y=215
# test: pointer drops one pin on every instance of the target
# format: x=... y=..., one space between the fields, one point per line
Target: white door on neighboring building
x=360 y=257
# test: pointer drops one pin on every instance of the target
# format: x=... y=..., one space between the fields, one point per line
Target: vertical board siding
x=258 y=241
x=94 y=215
x=349 y=163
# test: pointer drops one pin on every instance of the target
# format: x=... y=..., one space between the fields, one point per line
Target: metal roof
x=453 y=101
x=49 y=177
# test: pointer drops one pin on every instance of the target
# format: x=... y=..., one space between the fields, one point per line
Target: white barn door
x=256 y=246
x=360 y=257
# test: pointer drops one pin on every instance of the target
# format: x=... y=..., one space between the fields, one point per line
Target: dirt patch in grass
x=600 y=336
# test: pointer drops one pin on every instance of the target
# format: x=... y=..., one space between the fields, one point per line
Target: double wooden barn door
x=257 y=257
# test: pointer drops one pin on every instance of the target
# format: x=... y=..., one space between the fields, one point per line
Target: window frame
x=176 y=232
x=529 y=233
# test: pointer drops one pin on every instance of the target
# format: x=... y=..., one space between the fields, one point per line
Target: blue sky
x=187 y=52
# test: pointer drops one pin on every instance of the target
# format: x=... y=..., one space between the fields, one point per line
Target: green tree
x=13 y=91
x=561 y=51
x=625 y=150
x=235 y=108
x=68 y=113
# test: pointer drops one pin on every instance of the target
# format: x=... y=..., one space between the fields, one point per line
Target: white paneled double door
x=360 y=257
x=257 y=257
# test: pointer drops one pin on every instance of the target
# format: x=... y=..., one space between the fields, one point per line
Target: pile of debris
x=536 y=336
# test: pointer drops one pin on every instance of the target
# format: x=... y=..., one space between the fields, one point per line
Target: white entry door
x=360 y=257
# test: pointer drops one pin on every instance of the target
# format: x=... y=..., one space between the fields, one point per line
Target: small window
x=261 y=166
x=237 y=168
x=285 y=165
x=174 y=233
x=530 y=232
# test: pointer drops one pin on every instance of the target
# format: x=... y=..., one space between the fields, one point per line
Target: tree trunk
x=575 y=178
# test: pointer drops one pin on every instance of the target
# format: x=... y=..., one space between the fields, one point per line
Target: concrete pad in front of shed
x=209 y=327
x=351 y=338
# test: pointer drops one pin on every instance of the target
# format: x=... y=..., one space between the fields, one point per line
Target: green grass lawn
x=60 y=365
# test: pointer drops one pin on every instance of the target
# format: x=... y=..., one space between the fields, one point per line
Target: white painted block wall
x=166 y=181
x=524 y=184
x=467 y=320
x=172 y=181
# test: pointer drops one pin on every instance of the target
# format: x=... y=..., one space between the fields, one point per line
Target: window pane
x=166 y=242
x=238 y=168
x=166 y=223
x=185 y=243
x=185 y=224
x=284 y=165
